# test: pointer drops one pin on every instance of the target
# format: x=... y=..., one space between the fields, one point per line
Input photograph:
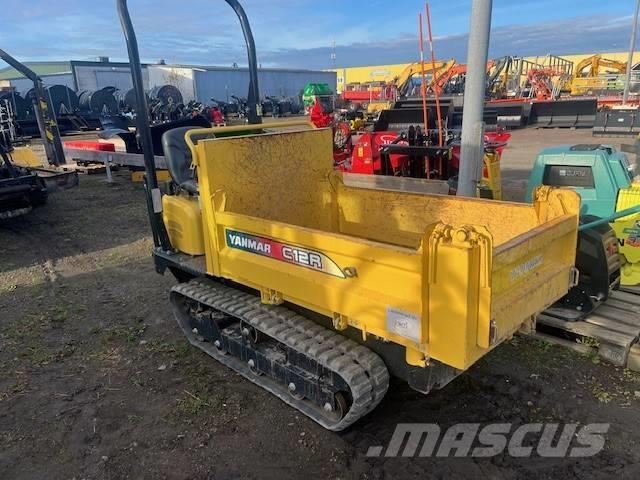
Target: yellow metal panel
x=281 y=177
x=445 y=277
x=138 y=176
x=374 y=73
x=362 y=298
x=24 y=157
x=628 y=232
x=402 y=218
x=183 y=220
x=215 y=199
x=455 y=275
x=492 y=175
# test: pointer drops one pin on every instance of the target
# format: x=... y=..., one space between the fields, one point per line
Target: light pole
x=632 y=47
x=472 y=151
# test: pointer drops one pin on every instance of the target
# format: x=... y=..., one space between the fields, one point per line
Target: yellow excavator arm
x=587 y=74
x=402 y=81
x=590 y=67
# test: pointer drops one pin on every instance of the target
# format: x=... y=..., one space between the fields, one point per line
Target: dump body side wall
x=398 y=217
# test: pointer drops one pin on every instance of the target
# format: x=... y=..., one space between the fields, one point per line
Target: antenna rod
x=433 y=66
x=423 y=88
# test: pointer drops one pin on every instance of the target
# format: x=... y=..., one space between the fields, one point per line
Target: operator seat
x=178 y=157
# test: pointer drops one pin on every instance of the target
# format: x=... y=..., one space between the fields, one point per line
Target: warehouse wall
x=374 y=73
x=222 y=83
x=96 y=77
x=180 y=77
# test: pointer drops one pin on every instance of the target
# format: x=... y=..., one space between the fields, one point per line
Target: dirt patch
x=96 y=381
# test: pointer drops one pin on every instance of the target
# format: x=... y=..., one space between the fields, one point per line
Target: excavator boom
x=43 y=111
x=403 y=81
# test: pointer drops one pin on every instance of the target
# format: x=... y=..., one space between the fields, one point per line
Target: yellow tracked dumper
x=317 y=291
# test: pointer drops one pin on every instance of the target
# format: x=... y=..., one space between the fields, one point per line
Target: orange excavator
x=451 y=79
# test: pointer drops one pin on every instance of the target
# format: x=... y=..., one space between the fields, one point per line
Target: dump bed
x=446 y=277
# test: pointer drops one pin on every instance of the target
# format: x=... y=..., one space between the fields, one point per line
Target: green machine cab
x=604 y=179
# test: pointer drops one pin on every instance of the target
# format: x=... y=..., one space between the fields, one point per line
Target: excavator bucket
x=57 y=180
x=489 y=117
x=564 y=113
x=407 y=113
x=617 y=122
x=511 y=114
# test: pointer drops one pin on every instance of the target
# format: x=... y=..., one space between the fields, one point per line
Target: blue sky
x=300 y=33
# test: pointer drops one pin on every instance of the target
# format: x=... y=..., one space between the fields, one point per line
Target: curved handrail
x=154 y=202
x=253 y=98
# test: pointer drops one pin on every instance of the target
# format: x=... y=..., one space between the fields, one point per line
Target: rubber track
x=363 y=370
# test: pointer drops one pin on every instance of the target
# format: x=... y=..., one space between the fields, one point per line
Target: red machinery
x=399 y=154
x=541 y=82
x=90 y=145
x=440 y=83
x=364 y=93
x=365 y=157
x=493 y=141
x=217 y=116
x=323 y=117
x=392 y=153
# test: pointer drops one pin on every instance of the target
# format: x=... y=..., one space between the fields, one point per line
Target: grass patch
x=95 y=330
x=37 y=355
x=129 y=334
x=9 y=288
x=35 y=326
x=179 y=351
x=593 y=344
x=131 y=418
x=197 y=399
x=59 y=315
x=193 y=403
x=601 y=394
x=631 y=376
x=107 y=355
x=542 y=345
x=31 y=327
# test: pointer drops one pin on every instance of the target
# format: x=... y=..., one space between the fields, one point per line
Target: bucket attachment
x=55 y=180
x=617 y=122
x=564 y=113
x=489 y=117
x=405 y=115
x=510 y=115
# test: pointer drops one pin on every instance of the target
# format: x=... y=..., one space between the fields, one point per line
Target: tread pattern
x=364 y=371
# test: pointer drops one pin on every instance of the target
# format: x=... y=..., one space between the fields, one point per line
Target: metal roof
x=41 y=68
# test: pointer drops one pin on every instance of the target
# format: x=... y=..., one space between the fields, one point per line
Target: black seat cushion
x=178 y=158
